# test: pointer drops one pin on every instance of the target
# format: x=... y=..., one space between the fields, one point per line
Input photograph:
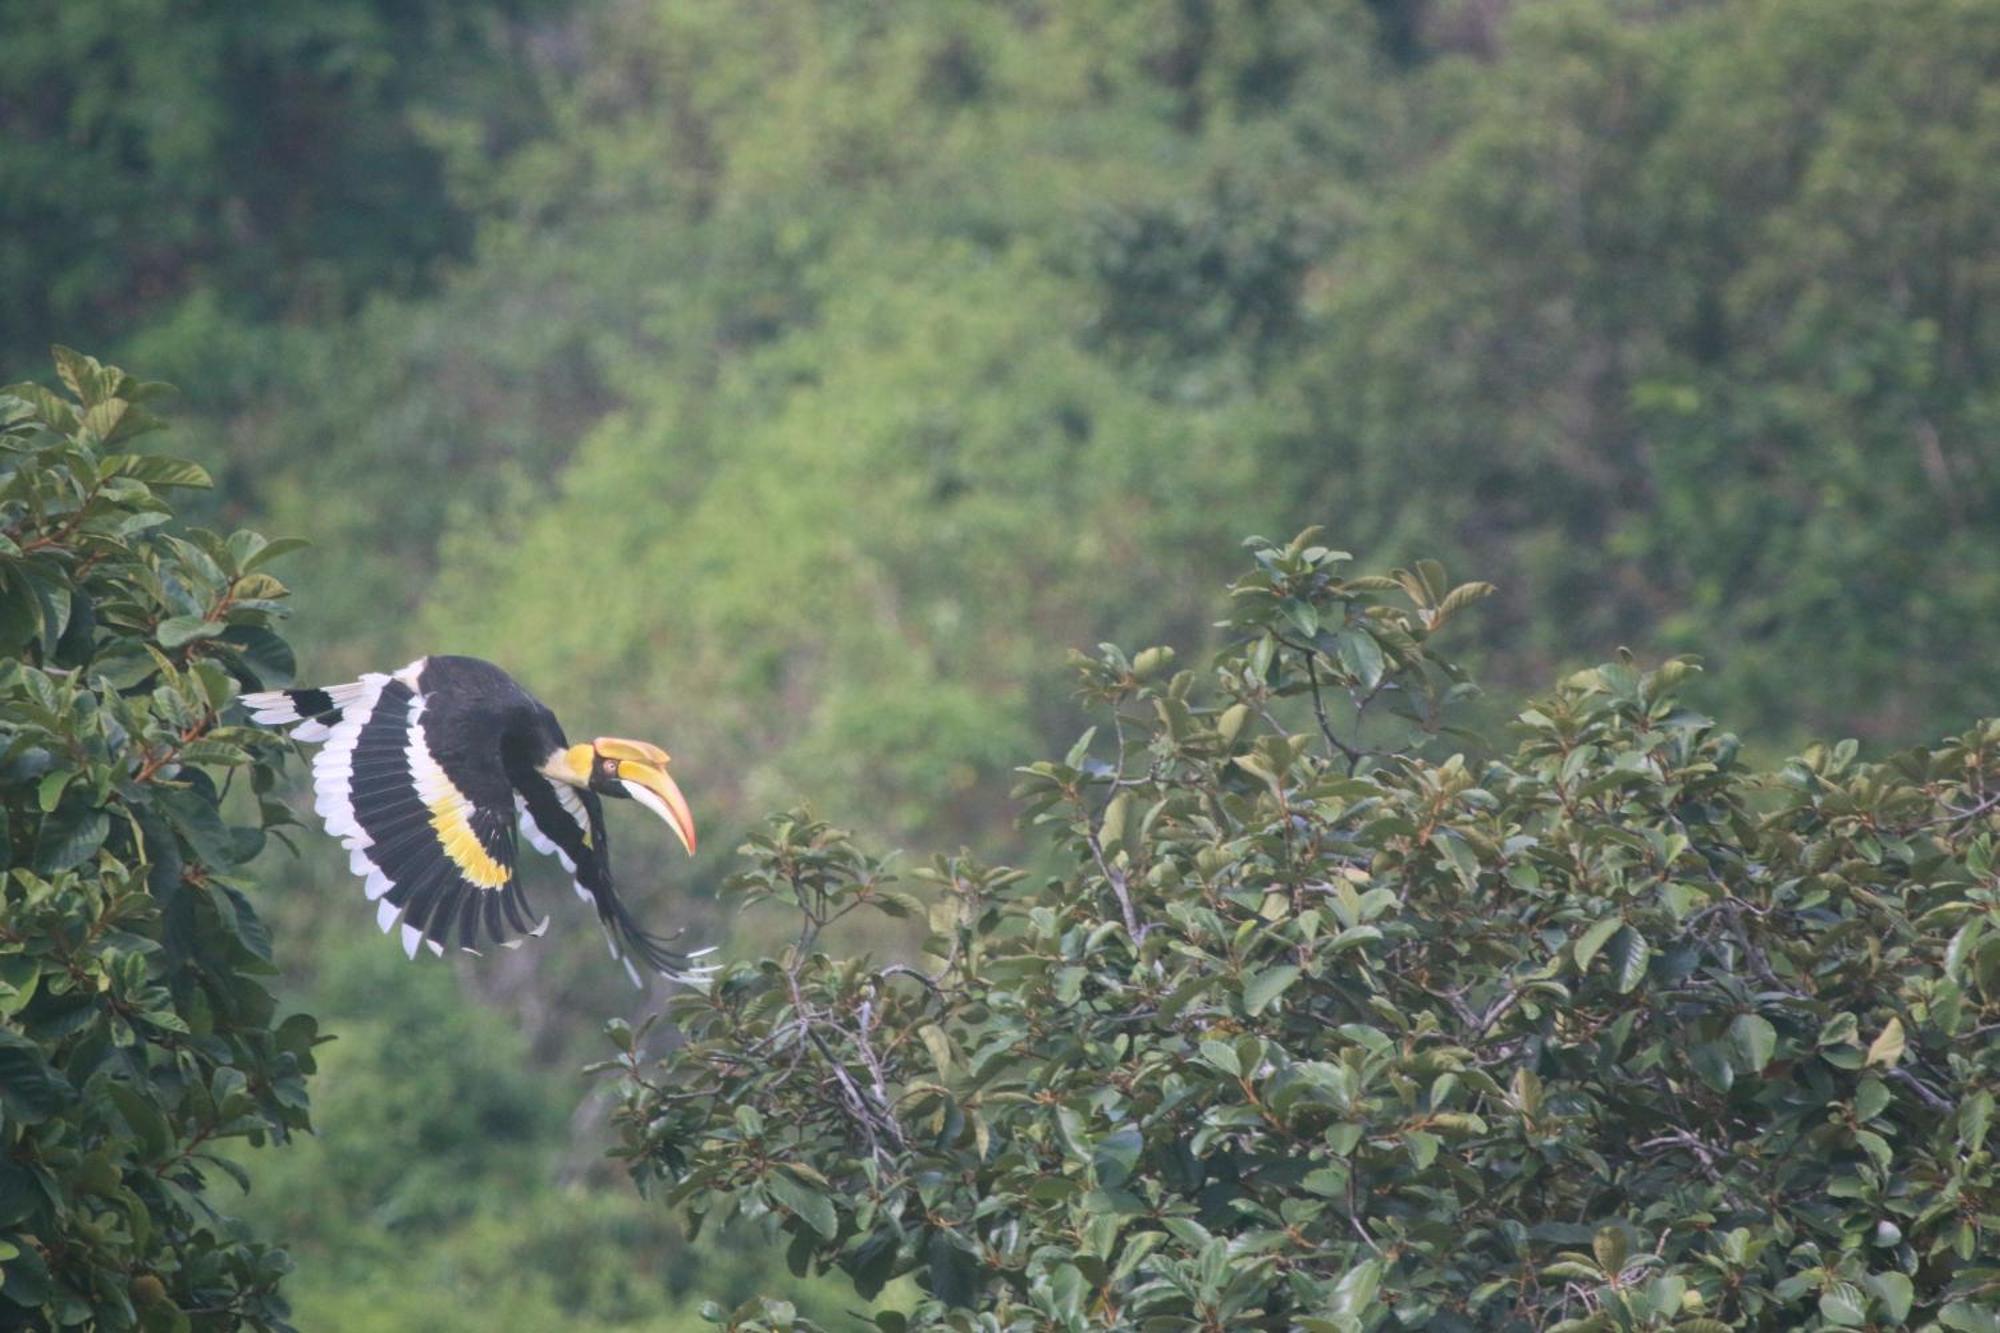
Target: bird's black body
x=423 y=776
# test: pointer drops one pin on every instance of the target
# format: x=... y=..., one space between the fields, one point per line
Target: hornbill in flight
x=422 y=774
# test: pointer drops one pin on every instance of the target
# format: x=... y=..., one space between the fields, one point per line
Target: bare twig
x=1349 y=752
x=1929 y=1095
x=905 y=970
x=1681 y=1138
x=1959 y=816
x=869 y=1058
x=1116 y=880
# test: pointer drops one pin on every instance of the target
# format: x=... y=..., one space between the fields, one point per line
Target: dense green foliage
x=790 y=383
x=1314 y=1031
x=1688 y=337
x=271 y=159
x=137 y=1032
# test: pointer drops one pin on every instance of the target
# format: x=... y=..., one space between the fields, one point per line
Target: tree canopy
x=1317 y=1024
x=137 y=1030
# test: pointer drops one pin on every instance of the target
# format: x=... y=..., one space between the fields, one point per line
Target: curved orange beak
x=648 y=784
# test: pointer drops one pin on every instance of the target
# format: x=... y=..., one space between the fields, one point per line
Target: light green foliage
x=136 y=1030
x=1321 y=1026
x=882 y=436
x=878 y=537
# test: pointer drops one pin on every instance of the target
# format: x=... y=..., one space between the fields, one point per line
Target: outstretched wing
x=413 y=786
x=568 y=824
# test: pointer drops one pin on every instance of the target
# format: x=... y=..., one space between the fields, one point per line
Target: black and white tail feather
x=423 y=775
x=581 y=827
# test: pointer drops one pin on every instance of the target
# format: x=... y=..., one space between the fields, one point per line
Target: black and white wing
x=413 y=786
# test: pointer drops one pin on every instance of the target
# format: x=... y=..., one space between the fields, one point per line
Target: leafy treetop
x=136 y=1029
x=1319 y=1025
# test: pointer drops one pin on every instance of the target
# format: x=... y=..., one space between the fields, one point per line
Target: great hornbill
x=421 y=775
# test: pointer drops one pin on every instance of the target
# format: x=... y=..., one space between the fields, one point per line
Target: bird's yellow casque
x=422 y=775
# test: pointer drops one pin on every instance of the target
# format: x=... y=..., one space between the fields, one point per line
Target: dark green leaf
x=70 y=835
x=812 y=1206
x=1360 y=656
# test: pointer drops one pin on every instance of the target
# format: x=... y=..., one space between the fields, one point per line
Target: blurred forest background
x=792 y=382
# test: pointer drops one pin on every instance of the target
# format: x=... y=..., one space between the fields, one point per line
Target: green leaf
x=1116 y=1155
x=82 y=374
x=197 y=820
x=1887 y=1048
x=1327 y=1182
x=20 y=978
x=1587 y=944
x=939 y=1045
x=1895 y=1291
x=1843 y=1305
x=814 y=1207
x=30 y=1089
x=1360 y=656
x=1223 y=1056
x=1755 y=1041
x=1112 y=831
x=1464 y=595
x=1876 y=1147
x=1629 y=955
x=20 y=612
x=953 y=1273
x=1711 y=1062
x=254 y=554
x=177 y=630
x=157 y=470
x=1973 y=1118
x=1970 y=1317
x=1266 y=986
x=70 y=836
x=143 y=1113
x=263 y=654
x=1964 y=945
x=1354 y=1294
x=1459 y=855
x=48 y=792
x=1255 y=766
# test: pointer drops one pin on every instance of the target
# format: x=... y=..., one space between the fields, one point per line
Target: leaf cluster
x=137 y=1030
x=1323 y=1026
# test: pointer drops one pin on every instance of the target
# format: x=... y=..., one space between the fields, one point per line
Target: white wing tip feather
x=271 y=707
